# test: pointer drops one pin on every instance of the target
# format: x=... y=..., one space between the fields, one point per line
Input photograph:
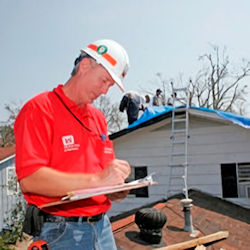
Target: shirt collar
x=83 y=111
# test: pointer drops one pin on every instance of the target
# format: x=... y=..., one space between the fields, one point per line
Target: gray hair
x=78 y=60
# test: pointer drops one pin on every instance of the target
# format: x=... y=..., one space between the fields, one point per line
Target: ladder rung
x=178 y=164
x=179 y=120
x=177 y=177
x=180 y=130
x=178 y=154
x=178 y=142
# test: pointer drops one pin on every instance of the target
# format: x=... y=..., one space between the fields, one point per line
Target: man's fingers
x=123 y=167
x=118 y=196
x=116 y=172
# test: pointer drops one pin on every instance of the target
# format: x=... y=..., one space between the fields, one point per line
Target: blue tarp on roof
x=154 y=111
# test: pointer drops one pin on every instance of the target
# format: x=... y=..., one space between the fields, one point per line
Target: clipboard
x=87 y=193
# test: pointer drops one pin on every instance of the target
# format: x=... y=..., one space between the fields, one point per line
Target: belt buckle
x=88 y=219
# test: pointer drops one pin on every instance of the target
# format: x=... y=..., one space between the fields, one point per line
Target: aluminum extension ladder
x=178 y=159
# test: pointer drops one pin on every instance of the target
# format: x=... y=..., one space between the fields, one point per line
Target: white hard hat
x=112 y=56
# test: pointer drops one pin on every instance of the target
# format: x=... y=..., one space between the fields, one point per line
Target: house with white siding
x=9 y=188
x=218 y=156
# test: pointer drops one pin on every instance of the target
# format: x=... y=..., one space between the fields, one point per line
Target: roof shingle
x=209 y=214
x=7 y=151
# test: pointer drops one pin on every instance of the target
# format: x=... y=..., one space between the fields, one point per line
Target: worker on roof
x=133 y=103
x=62 y=145
x=158 y=99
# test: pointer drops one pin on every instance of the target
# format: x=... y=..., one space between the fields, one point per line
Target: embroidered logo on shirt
x=108 y=150
x=69 y=143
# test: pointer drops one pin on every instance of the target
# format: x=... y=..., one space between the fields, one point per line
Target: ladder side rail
x=172 y=147
x=186 y=157
x=174 y=155
x=186 y=141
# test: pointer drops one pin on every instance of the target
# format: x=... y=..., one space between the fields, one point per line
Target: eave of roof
x=199 y=112
x=144 y=124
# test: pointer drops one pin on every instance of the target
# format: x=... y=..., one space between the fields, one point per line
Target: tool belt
x=35 y=218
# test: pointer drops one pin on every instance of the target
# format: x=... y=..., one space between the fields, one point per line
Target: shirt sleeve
x=142 y=100
x=33 y=140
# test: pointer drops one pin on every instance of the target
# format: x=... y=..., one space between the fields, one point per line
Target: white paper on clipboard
x=87 y=193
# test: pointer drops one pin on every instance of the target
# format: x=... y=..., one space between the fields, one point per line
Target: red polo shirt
x=47 y=134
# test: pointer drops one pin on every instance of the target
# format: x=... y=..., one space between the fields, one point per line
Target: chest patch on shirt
x=69 y=143
x=108 y=150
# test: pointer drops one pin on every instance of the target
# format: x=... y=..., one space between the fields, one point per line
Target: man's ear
x=85 y=62
x=88 y=62
x=84 y=65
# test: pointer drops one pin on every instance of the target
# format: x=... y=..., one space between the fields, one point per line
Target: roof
x=209 y=214
x=5 y=152
x=156 y=114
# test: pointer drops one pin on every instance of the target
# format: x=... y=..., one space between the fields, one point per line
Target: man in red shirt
x=62 y=145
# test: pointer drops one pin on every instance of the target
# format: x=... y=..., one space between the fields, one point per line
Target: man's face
x=99 y=82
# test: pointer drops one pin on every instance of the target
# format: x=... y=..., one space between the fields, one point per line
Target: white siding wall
x=211 y=143
x=7 y=202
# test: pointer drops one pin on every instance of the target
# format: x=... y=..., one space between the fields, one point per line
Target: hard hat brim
x=116 y=79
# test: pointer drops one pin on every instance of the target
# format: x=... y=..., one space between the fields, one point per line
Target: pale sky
x=40 y=39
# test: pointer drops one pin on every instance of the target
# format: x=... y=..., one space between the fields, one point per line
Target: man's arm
x=50 y=182
x=123 y=103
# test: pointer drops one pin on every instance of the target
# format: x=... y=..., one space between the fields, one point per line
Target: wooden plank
x=200 y=247
x=197 y=242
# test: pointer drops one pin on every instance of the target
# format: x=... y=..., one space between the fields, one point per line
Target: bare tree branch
x=216 y=87
x=111 y=112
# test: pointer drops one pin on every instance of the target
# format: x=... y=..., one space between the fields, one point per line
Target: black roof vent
x=150 y=222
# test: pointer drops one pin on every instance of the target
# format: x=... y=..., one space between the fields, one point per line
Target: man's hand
x=115 y=173
x=117 y=197
x=54 y=183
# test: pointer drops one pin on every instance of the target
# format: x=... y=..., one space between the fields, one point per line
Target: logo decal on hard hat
x=106 y=55
x=102 y=49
